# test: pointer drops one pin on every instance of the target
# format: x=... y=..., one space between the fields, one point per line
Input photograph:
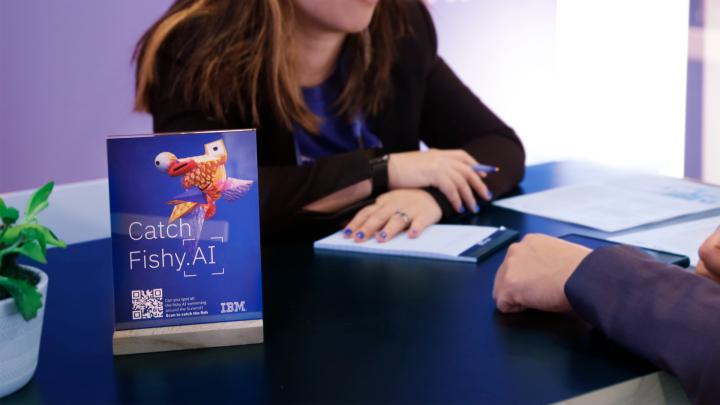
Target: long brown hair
x=239 y=54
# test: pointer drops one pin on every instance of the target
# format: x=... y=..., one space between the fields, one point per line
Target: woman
x=341 y=93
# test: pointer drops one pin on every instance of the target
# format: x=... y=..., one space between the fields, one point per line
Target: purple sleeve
x=660 y=312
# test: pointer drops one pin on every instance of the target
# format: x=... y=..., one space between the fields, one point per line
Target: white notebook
x=466 y=243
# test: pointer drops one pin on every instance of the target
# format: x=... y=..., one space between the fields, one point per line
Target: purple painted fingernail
x=485 y=168
x=383 y=234
x=490 y=194
x=360 y=235
x=347 y=231
x=477 y=208
x=462 y=209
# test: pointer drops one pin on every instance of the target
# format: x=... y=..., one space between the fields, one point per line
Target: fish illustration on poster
x=185 y=229
x=203 y=177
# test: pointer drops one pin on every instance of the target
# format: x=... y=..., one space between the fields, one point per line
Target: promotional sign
x=185 y=229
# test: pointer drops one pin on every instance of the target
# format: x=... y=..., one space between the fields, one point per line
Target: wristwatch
x=380 y=178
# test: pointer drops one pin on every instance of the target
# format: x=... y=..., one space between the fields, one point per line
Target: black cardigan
x=429 y=103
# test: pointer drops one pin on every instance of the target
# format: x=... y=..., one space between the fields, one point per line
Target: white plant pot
x=19 y=341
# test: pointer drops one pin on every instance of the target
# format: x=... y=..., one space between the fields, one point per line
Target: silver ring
x=404 y=217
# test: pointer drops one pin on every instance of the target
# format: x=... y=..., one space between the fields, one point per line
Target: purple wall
x=694 y=102
x=66 y=82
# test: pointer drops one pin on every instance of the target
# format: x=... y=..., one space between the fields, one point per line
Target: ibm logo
x=229 y=307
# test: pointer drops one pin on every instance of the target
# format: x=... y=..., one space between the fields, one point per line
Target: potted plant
x=22 y=289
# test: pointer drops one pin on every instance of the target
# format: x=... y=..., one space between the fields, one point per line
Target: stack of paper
x=683 y=238
x=616 y=205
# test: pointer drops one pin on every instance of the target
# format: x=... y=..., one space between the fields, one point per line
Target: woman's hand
x=392 y=213
x=451 y=171
x=709 y=264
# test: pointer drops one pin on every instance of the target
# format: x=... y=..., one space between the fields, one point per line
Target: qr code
x=147 y=304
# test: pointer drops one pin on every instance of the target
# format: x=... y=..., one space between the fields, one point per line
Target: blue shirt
x=337 y=135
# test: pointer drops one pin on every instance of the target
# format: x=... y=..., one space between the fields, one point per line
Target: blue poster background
x=223 y=281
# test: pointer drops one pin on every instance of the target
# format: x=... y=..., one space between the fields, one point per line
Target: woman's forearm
x=342 y=198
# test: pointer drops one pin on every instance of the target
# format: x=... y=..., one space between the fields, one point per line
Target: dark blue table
x=340 y=328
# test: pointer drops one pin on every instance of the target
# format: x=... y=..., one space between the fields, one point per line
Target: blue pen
x=485 y=168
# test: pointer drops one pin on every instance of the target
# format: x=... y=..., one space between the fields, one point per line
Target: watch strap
x=380 y=177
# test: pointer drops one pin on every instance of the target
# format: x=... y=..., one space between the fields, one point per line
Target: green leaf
x=27 y=297
x=38 y=208
x=11 y=235
x=33 y=251
x=51 y=238
x=3 y=209
x=9 y=215
x=41 y=234
x=32 y=233
x=38 y=201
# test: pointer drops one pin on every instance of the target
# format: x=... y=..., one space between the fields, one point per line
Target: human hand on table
x=709 y=264
x=534 y=273
x=450 y=171
x=392 y=213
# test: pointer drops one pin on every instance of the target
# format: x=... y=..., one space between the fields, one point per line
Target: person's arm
x=453 y=117
x=288 y=194
x=660 y=312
